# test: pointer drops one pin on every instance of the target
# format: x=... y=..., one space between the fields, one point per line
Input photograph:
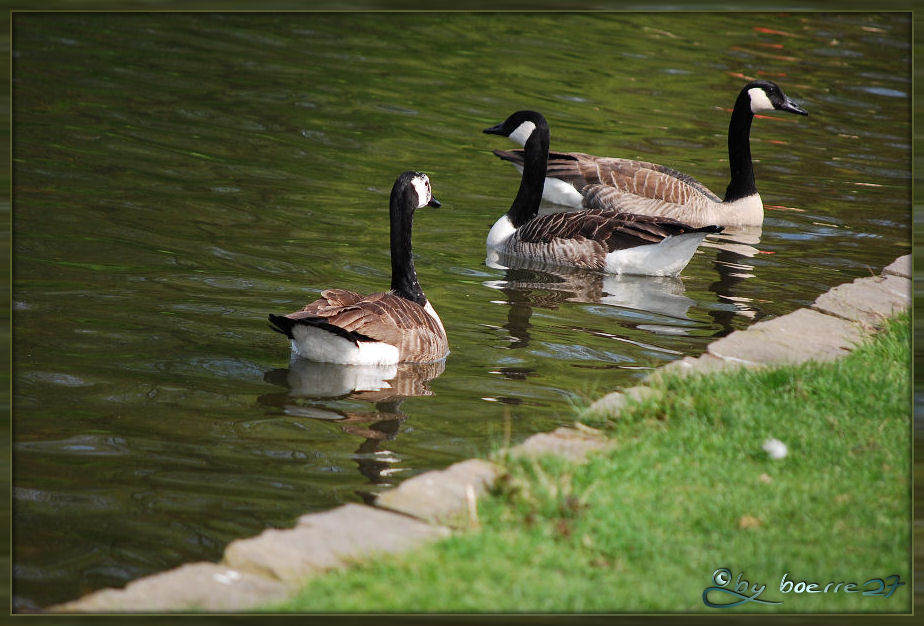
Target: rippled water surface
x=179 y=176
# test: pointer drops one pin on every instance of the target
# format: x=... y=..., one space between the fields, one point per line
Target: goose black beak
x=434 y=203
x=792 y=107
x=497 y=129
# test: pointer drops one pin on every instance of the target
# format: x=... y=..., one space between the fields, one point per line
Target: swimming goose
x=396 y=326
x=578 y=179
x=598 y=239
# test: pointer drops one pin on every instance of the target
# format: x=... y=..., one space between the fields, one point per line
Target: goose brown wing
x=614 y=231
x=341 y=297
x=561 y=165
x=640 y=178
x=331 y=301
x=382 y=317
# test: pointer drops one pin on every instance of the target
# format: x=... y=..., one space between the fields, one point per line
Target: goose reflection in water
x=735 y=247
x=528 y=284
x=312 y=385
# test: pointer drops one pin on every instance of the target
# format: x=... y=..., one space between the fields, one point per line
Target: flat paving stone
x=899 y=267
x=441 y=496
x=803 y=335
x=321 y=541
x=869 y=301
x=610 y=404
x=613 y=403
x=201 y=586
x=570 y=443
x=704 y=364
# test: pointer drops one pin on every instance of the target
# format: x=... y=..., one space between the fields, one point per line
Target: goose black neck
x=742 y=182
x=535 y=162
x=403 y=275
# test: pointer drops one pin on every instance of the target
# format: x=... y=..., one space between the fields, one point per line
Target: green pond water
x=177 y=177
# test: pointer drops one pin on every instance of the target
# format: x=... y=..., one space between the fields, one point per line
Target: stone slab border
x=271 y=566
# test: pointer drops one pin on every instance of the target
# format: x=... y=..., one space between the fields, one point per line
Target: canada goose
x=598 y=239
x=383 y=328
x=577 y=179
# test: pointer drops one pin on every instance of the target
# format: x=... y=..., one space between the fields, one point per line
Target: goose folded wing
x=331 y=301
x=610 y=229
x=620 y=176
x=641 y=178
x=382 y=317
x=605 y=197
x=561 y=165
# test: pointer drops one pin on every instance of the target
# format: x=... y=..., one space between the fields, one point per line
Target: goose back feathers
x=400 y=325
x=328 y=328
x=603 y=240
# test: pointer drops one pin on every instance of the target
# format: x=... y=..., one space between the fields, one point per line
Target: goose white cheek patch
x=422 y=187
x=522 y=133
x=759 y=100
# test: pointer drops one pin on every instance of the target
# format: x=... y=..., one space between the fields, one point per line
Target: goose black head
x=420 y=183
x=518 y=127
x=765 y=95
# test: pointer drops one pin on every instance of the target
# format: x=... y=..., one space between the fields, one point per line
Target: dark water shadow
x=311 y=386
x=528 y=284
x=736 y=248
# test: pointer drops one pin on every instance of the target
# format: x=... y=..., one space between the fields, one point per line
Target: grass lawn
x=686 y=490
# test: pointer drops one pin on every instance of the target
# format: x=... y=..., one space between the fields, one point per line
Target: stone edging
x=829 y=329
x=271 y=566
